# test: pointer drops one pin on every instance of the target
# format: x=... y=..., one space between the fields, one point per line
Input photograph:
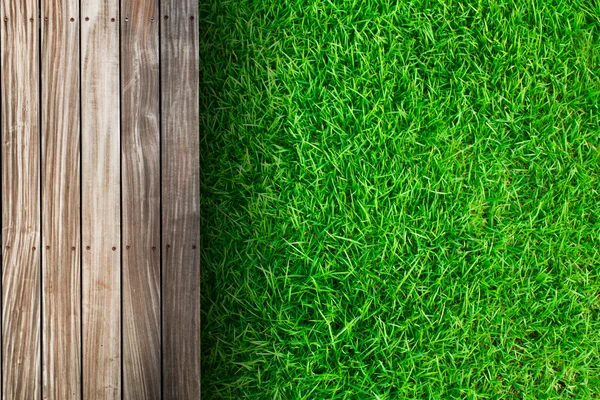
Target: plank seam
x=1 y=234
x=41 y=196
x=80 y=211
x=121 y=199
x=160 y=189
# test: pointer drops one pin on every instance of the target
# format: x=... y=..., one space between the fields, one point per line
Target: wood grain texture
x=20 y=200
x=141 y=199
x=63 y=257
x=60 y=200
x=101 y=213
x=181 y=200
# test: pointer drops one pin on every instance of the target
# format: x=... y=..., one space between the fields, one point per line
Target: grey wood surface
x=141 y=199
x=101 y=199
x=20 y=200
x=181 y=203
x=61 y=209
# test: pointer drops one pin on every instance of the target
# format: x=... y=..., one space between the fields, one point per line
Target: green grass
x=400 y=199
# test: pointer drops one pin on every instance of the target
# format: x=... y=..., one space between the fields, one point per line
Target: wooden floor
x=100 y=199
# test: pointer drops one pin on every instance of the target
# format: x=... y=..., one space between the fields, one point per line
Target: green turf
x=400 y=199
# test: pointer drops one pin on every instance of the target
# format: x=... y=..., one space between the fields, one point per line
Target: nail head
x=87 y=18
x=87 y=247
x=114 y=248
x=73 y=248
x=72 y=19
x=47 y=247
x=128 y=247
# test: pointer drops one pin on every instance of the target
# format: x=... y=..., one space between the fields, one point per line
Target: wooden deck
x=100 y=199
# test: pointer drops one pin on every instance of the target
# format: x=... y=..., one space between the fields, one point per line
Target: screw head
x=166 y=17
x=114 y=248
x=112 y=20
x=34 y=248
x=128 y=247
x=73 y=248
x=87 y=18
x=153 y=248
x=87 y=247
x=47 y=247
x=72 y=19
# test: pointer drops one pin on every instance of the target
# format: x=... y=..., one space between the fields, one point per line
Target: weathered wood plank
x=100 y=186
x=180 y=193
x=141 y=199
x=20 y=200
x=60 y=200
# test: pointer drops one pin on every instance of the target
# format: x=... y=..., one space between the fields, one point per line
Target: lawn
x=400 y=199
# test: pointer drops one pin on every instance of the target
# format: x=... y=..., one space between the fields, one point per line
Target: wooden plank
x=181 y=203
x=20 y=200
x=60 y=200
x=101 y=214
x=141 y=199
